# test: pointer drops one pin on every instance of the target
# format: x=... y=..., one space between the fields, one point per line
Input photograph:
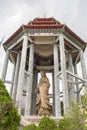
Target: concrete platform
x=36 y=119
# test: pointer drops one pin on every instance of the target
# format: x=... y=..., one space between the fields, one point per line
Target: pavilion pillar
x=53 y=86
x=77 y=85
x=21 y=73
x=72 y=87
x=13 y=73
x=83 y=66
x=16 y=78
x=64 y=75
x=56 y=80
x=33 y=102
x=29 y=82
x=5 y=65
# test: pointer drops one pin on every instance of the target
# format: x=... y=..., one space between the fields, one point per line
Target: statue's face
x=42 y=73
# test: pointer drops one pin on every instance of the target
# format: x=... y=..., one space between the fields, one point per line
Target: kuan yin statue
x=42 y=103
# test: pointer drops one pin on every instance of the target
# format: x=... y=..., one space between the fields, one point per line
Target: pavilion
x=44 y=43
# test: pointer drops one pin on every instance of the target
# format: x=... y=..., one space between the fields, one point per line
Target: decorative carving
x=42 y=103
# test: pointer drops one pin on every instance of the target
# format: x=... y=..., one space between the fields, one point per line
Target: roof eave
x=42 y=27
x=13 y=36
x=67 y=29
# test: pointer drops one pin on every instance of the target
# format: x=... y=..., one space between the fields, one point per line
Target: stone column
x=83 y=66
x=77 y=85
x=56 y=80
x=33 y=107
x=71 y=78
x=21 y=73
x=64 y=75
x=16 y=77
x=11 y=90
x=29 y=82
x=53 y=86
x=5 y=66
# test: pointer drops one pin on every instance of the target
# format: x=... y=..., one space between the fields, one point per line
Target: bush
x=64 y=124
x=9 y=118
x=47 y=124
x=73 y=120
x=84 y=106
x=30 y=127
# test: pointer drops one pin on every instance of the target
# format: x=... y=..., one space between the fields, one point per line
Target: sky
x=14 y=13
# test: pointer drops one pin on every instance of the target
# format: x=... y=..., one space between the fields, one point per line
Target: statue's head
x=43 y=73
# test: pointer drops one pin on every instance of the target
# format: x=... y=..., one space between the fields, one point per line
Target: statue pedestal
x=36 y=119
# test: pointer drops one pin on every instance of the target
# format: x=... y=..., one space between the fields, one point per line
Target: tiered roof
x=45 y=23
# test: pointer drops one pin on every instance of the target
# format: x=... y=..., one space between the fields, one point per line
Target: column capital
x=61 y=35
x=26 y=34
x=55 y=43
x=32 y=44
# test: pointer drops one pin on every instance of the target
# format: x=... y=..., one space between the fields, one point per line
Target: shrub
x=30 y=127
x=64 y=124
x=73 y=120
x=9 y=118
x=47 y=124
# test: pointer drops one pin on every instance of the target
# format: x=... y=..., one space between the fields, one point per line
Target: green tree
x=47 y=124
x=74 y=118
x=9 y=118
x=64 y=124
x=84 y=99
x=84 y=106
